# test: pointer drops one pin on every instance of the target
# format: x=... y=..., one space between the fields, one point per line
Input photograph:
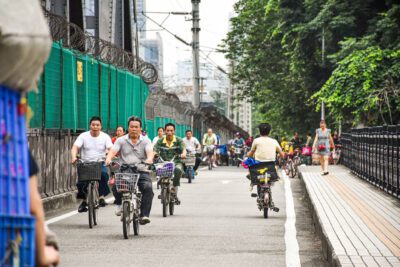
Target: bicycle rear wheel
x=126 y=219
x=171 y=207
x=90 y=204
x=96 y=202
x=190 y=175
x=135 y=223
x=164 y=201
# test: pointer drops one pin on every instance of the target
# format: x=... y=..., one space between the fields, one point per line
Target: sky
x=214 y=24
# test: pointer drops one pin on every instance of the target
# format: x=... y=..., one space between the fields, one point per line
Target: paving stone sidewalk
x=358 y=223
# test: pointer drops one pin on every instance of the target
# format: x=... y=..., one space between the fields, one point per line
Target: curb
x=326 y=245
x=57 y=203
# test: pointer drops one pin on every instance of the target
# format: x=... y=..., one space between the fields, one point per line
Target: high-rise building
x=152 y=52
x=141 y=19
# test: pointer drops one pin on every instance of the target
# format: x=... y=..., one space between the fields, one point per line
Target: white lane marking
x=72 y=213
x=292 y=246
x=225 y=181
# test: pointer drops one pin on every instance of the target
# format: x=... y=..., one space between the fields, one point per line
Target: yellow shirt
x=265 y=148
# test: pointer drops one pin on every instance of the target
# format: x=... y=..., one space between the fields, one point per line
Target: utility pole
x=323 y=64
x=195 y=50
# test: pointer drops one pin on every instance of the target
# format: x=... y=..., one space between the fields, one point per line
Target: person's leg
x=321 y=162
x=117 y=196
x=326 y=163
x=82 y=190
x=104 y=190
x=178 y=174
x=146 y=188
x=197 y=163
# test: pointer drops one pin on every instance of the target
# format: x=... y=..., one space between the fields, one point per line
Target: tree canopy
x=289 y=55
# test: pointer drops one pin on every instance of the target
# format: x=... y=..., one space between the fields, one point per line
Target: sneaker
x=325 y=173
x=83 y=207
x=102 y=202
x=118 y=210
x=215 y=165
x=144 y=220
x=177 y=201
x=204 y=159
x=196 y=173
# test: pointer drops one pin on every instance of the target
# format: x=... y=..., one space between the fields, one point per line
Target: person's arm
x=315 y=142
x=149 y=154
x=279 y=150
x=215 y=140
x=252 y=150
x=182 y=148
x=75 y=148
x=204 y=140
x=115 y=149
x=45 y=255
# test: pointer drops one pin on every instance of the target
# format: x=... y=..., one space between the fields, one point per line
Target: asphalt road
x=218 y=224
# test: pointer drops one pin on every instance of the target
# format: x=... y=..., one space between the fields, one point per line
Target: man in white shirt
x=264 y=150
x=193 y=146
x=160 y=134
x=93 y=146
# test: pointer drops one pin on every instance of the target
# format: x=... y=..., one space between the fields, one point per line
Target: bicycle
x=189 y=163
x=165 y=172
x=210 y=153
x=126 y=182
x=91 y=172
x=262 y=179
x=238 y=155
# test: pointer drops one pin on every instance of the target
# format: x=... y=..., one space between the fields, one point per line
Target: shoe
x=325 y=173
x=177 y=201
x=204 y=159
x=144 y=220
x=102 y=202
x=118 y=210
x=196 y=173
x=83 y=207
x=215 y=165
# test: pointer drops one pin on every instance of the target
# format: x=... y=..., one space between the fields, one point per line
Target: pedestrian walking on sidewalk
x=322 y=143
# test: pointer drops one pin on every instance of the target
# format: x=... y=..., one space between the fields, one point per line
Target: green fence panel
x=82 y=93
x=130 y=96
x=93 y=87
x=53 y=88
x=105 y=95
x=121 y=96
x=69 y=108
x=151 y=131
x=137 y=99
x=113 y=98
x=35 y=103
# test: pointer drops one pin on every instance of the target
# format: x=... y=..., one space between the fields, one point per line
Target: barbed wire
x=73 y=37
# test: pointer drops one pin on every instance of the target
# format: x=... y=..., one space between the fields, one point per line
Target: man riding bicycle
x=264 y=150
x=172 y=147
x=192 y=146
x=134 y=149
x=210 y=141
x=93 y=145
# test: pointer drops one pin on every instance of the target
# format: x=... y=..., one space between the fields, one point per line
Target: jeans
x=104 y=190
x=146 y=188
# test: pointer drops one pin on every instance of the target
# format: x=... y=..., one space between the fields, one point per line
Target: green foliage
x=275 y=49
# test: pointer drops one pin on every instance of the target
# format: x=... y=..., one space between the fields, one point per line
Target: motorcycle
x=261 y=178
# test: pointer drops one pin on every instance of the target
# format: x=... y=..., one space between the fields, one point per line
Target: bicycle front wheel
x=164 y=201
x=95 y=201
x=90 y=203
x=126 y=219
x=135 y=223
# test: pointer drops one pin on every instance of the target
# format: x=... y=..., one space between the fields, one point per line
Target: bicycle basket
x=165 y=170
x=126 y=182
x=89 y=171
x=190 y=160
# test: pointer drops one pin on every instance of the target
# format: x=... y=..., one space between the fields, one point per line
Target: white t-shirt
x=155 y=140
x=93 y=148
x=191 y=144
x=265 y=148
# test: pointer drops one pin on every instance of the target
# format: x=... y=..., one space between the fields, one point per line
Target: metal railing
x=373 y=154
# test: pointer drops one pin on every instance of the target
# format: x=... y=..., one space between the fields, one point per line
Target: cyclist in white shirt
x=160 y=134
x=93 y=146
x=264 y=149
x=193 y=146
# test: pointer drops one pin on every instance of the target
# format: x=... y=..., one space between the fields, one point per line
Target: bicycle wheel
x=190 y=174
x=164 y=201
x=126 y=219
x=292 y=171
x=90 y=203
x=96 y=202
x=266 y=212
x=171 y=207
x=210 y=164
x=135 y=223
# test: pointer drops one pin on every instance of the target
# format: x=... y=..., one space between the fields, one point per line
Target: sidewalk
x=359 y=225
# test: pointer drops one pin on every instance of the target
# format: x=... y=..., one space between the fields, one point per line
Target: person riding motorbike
x=172 y=147
x=193 y=146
